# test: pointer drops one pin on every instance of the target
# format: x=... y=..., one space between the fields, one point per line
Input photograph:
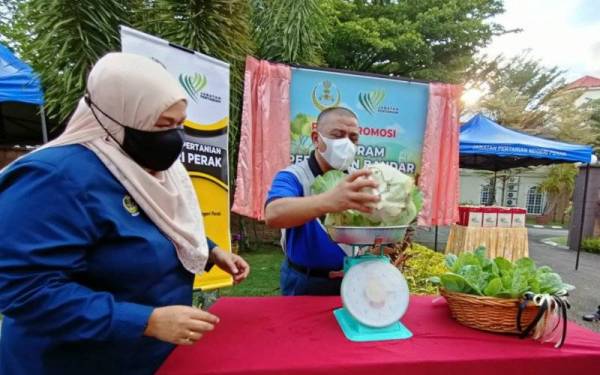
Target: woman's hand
x=231 y=263
x=180 y=325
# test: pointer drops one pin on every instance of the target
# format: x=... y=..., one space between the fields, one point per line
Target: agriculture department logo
x=325 y=95
x=370 y=101
x=193 y=84
x=130 y=205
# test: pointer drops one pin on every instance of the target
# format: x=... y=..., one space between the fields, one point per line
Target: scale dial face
x=375 y=293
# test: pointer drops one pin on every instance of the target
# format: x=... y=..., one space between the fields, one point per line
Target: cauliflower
x=395 y=189
x=399 y=205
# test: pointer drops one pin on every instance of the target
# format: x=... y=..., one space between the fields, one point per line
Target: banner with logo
x=391 y=113
x=206 y=82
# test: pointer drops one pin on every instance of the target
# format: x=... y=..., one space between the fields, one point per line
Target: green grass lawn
x=562 y=241
x=264 y=273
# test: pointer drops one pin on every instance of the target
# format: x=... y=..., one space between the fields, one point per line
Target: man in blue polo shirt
x=313 y=260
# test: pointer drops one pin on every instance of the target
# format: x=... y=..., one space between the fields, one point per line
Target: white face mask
x=339 y=153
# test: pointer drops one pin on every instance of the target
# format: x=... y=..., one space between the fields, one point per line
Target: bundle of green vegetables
x=400 y=201
x=475 y=273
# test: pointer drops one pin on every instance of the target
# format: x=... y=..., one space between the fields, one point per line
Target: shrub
x=419 y=264
x=591 y=245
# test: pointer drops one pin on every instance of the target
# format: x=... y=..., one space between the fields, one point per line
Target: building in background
x=512 y=189
x=588 y=86
x=519 y=188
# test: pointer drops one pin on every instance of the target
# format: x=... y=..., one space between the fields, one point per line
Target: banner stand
x=205 y=151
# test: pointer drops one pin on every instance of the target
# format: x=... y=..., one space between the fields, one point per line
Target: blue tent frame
x=487 y=145
x=19 y=83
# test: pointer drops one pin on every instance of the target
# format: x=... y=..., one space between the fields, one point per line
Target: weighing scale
x=374 y=293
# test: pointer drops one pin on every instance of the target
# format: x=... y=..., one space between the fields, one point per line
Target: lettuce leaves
x=475 y=273
x=327 y=181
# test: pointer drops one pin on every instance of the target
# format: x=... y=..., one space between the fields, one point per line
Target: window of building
x=535 y=199
x=484 y=195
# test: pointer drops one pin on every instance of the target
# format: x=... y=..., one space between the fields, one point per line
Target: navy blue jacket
x=81 y=269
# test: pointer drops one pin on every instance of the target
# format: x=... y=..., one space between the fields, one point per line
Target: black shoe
x=595 y=317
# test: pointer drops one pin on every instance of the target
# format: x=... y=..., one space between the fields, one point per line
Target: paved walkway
x=584 y=299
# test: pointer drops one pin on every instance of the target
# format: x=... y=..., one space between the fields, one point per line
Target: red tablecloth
x=299 y=335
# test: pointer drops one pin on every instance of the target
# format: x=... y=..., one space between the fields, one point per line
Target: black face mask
x=156 y=151
x=153 y=150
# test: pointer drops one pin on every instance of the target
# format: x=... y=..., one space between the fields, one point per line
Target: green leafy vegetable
x=456 y=283
x=475 y=273
x=493 y=288
x=475 y=277
x=504 y=265
x=451 y=260
x=327 y=181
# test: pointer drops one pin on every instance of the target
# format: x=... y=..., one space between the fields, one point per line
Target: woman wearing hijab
x=101 y=234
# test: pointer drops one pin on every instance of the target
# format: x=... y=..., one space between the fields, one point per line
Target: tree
x=217 y=28
x=522 y=73
x=559 y=185
x=62 y=39
x=516 y=90
x=591 y=125
x=428 y=39
x=571 y=123
x=432 y=39
x=8 y=26
x=290 y=31
x=523 y=94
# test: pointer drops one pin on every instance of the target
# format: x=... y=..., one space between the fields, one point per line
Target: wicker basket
x=488 y=313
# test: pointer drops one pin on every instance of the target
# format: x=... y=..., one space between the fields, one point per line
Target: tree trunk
x=551 y=206
x=563 y=203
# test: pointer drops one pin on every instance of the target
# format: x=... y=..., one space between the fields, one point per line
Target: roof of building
x=585 y=82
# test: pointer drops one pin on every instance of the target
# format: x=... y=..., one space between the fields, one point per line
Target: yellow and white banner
x=206 y=82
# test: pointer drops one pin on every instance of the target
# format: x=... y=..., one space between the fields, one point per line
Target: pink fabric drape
x=265 y=134
x=439 y=179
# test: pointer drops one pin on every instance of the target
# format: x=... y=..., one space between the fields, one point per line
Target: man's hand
x=179 y=325
x=348 y=195
x=294 y=211
x=231 y=263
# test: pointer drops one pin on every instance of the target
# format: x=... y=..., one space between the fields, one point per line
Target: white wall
x=470 y=187
x=591 y=94
x=471 y=183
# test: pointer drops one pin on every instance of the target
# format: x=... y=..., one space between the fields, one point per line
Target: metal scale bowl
x=374 y=293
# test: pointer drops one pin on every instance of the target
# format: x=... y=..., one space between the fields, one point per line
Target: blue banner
x=391 y=114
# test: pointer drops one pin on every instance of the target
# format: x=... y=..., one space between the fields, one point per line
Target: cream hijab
x=134 y=91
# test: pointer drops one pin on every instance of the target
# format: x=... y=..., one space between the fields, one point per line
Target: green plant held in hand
x=475 y=273
x=400 y=201
x=327 y=181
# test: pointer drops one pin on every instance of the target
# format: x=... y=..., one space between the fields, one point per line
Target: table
x=511 y=243
x=299 y=335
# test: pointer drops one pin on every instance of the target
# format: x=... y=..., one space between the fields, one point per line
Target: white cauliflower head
x=396 y=205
